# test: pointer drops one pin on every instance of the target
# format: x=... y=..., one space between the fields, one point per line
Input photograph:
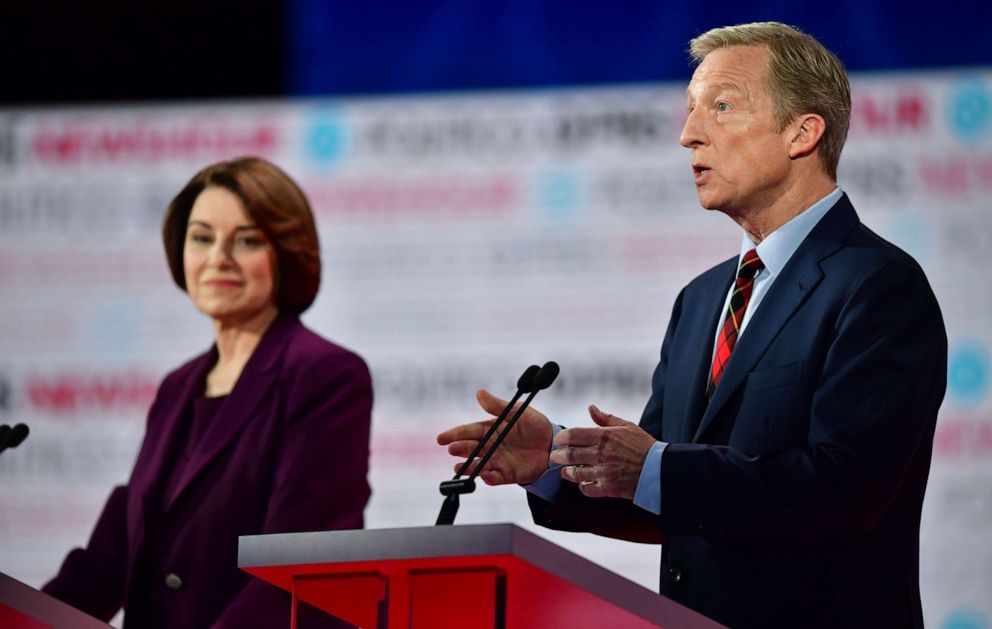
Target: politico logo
x=969 y=110
x=906 y=111
x=148 y=140
x=326 y=138
x=68 y=393
x=968 y=373
x=959 y=173
x=965 y=618
x=559 y=193
x=570 y=126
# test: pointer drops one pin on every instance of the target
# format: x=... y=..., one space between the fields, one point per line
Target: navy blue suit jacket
x=792 y=497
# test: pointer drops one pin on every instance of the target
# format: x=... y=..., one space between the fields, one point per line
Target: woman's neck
x=236 y=341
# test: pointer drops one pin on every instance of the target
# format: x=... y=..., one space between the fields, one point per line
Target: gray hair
x=803 y=76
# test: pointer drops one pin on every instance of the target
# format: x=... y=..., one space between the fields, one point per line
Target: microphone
x=525 y=384
x=12 y=437
x=534 y=379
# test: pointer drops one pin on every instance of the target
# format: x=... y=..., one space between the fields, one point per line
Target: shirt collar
x=776 y=249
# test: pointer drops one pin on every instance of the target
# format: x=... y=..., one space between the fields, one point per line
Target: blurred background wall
x=495 y=183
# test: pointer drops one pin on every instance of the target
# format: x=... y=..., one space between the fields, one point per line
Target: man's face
x=740 y=159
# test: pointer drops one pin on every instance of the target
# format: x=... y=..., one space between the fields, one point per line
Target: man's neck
x=761 y=222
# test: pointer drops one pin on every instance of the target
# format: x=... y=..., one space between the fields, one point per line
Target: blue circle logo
x=326 y=138
x=965 y=619
x=559 y=192
x=970 y=110
x=968 y=373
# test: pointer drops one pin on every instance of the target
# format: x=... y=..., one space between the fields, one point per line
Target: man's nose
x=692 y=132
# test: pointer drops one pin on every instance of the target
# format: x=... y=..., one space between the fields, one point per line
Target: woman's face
x=228 y=261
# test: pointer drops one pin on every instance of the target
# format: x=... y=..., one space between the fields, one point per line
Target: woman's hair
x=276 y=205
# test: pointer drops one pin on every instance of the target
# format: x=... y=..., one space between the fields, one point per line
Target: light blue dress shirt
x=775 y=251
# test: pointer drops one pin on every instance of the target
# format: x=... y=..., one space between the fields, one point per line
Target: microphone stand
x=534 y=379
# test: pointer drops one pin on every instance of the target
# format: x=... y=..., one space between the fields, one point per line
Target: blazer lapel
x=163 y=430
x=698 y=360
x=799 y=277
x=252 y=388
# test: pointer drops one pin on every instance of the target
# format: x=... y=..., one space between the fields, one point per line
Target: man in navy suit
x=783 y=455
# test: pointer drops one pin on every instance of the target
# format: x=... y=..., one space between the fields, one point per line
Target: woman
x=266 y=432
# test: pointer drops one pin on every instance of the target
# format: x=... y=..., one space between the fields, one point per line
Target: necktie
x=743 y=286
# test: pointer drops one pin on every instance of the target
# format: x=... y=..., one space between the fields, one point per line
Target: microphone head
x=4 y=435
x=16 y=435
x=526 y=382
x=546 y=376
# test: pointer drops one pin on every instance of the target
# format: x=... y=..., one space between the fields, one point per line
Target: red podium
x=23 y=607
x=493 y=575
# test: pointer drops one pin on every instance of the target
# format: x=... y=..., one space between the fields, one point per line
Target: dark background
x=114 y=50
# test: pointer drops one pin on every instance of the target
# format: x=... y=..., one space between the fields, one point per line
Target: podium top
x=474 y=540
x=23 y=606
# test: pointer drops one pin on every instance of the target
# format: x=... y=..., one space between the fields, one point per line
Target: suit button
x=675 y=575
x=172 y=581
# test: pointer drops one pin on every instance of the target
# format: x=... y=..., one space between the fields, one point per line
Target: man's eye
x=722 y=106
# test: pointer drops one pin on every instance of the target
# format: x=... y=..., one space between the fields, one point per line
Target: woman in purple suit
x=266 y=432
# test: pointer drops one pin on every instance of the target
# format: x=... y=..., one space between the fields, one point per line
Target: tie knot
x=750 y=265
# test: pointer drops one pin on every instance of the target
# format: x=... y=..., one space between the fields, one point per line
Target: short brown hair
x=276 y=205
x=804 y=77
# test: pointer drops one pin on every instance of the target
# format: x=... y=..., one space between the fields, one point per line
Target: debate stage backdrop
x=464 y=236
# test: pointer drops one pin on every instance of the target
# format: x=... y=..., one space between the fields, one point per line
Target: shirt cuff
x=547 y=484
x=648 y=493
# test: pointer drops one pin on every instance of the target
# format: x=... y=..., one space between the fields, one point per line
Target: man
x=783 y=455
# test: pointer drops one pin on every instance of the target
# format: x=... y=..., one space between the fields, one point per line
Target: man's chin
x=708 y=203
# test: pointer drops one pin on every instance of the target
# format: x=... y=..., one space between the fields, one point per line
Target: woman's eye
x=202 y=239
x=722 y=106
x=250 y=241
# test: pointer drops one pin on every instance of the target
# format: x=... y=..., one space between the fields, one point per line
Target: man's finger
x=579 y=437
x=492 y=477
x=592 y=489
x=489 y=402
x=461 y=448
x=465 y=432
x=572 y=455
x=458 y=467
x=605 y=419
x=581 y=473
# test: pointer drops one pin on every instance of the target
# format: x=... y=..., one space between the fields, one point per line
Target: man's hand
x=523 y=455
x=605 y=461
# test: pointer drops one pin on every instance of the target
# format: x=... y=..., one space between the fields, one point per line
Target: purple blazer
x=287 y=451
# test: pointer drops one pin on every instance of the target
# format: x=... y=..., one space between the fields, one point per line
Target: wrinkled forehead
x=739 y=69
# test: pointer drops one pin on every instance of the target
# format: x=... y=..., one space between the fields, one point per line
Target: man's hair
x=803 y=76
x=276 y=205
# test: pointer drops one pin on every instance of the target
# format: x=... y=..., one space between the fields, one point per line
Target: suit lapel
x=798 y=278
x=251 y=390
x=163 y=431
x=698 y=362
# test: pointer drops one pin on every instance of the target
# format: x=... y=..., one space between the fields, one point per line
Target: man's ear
x=807 y=130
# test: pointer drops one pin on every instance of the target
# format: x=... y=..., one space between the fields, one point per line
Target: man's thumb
x=604 y=419
x=489 y=402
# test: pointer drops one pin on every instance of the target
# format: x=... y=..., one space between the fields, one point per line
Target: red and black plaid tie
x=743 y=285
